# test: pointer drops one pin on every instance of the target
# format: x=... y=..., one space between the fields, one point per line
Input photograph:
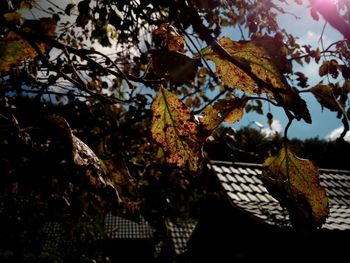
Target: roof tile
x=237 y=188
x=246 y=188
x=243 y=197
x=222 y=178
x=234 y=170
x=227 y=187
x=225 y=169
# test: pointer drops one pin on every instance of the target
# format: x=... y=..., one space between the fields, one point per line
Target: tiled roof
x=180 y=233
x=56 y=239
x=118 y=227
x=121 y=228
x=243 y=186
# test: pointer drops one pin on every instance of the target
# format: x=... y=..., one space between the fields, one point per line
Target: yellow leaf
x=174 y=129
x=295 y=182
x=229 y=111
x=259 y=54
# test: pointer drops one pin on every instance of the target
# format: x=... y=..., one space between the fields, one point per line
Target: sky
x=324 y=125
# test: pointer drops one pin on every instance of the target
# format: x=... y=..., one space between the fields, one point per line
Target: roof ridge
x=260 y=165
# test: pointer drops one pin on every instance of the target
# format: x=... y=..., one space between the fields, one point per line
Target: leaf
x=27 y=4
x=174 y=129
x=324 y=95
x=13 y=49
x=295 y=182
x=119 y=178
x=13 y=17
x=314 y=14
x=174 y=66
x=346 y=86
x=69 y=8
x=302 y=79
x=323 y=69
x=229 y=111
x=43 y=26
x=260 y=54
x=166 y=35
x=292 y=100
x=80 y=153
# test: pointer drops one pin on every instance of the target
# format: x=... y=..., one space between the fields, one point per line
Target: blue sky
x=324 y=122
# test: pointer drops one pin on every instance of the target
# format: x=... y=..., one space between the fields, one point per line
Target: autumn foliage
x=107 y=102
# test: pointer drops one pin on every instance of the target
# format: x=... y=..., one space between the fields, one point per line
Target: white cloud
x=333 y=135
x=276 y=127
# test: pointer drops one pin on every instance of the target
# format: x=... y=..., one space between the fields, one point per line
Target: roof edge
x=260 y=165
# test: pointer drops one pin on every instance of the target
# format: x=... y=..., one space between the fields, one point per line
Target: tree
x=136 y=107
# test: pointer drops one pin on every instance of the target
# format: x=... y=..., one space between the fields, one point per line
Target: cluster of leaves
x=145 y=108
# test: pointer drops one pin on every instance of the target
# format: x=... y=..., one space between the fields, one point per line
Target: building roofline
x=260 y=165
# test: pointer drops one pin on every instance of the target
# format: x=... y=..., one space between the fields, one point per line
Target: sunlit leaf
x=174 y=129
x=229 y=111
x=260 y=54
x=295 y=182
x=324 y=95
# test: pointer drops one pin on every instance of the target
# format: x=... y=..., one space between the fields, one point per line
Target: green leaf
x=174 y=129
x=260 y=54
x=295 y=182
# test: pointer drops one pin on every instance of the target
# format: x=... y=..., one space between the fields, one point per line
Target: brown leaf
x=296 y=104
x=324 y=95
x=119 y=178
x=168 y=37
